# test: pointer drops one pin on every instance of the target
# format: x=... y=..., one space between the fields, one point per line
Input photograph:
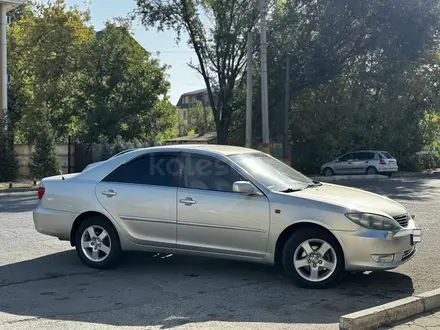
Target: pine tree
x=8 y=158
x=44 y=161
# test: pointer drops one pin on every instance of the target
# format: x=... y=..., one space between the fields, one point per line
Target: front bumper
x=363 y=246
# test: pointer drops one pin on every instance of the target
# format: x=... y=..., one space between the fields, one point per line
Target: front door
x=345 y=164
x=141 y=196
x=212 y=218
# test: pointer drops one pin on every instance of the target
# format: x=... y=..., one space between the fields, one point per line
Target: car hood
x=353 y=199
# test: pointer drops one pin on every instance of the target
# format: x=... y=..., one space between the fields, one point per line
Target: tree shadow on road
x=171 y=290
x=21 y=203
x=402 y=189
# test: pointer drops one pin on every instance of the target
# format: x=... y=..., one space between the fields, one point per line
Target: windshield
x=272 y=173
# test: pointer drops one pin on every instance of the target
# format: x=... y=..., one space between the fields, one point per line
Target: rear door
x=363 y=161
x=141 y=196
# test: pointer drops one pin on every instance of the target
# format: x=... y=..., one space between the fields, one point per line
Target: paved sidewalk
x=426 y=321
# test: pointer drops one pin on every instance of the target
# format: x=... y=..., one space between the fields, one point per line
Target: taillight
x=41 y=191
x=382 y=162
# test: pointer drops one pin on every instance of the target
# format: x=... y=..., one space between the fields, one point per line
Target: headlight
x=373 y=221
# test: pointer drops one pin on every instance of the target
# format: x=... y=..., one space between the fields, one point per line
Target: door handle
x=367 y=161
x=109 y=193
x=188 y=201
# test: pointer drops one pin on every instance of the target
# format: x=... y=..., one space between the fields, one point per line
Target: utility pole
x=286 y=149
x=264 y=97
x=3 y=65
x=249 y=92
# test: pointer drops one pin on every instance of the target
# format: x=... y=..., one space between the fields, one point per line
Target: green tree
x=217 y=31
x=200 y=119
x=369 y=42
x=126 y=89
x=46 y=63
x=44 y=160
x=8 y=160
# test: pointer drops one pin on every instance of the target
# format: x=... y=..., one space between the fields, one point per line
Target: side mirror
x=244 y=187
x=336 y=160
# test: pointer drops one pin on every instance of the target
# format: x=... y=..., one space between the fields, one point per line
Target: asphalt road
x=44 y=286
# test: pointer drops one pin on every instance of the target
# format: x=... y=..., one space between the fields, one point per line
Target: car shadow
x=172 y=290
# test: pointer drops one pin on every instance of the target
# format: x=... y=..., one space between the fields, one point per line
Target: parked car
x=362 y=162
x=227 y=202
x=97 y=163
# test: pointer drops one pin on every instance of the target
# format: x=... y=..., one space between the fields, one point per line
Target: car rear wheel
x=313 y=258
x=328 y=172
x=97 y=243
x=371 y=170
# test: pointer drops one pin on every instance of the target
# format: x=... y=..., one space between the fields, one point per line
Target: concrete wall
x=24 y=151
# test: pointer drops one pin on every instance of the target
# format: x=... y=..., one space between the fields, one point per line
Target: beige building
x=188 y=100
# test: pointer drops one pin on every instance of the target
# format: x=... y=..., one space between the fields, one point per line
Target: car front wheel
x=328 y=172
x=97 y=243
x=313 y=258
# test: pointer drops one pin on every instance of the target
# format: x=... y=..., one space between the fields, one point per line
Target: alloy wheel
x=96 y=243
x=315 y=260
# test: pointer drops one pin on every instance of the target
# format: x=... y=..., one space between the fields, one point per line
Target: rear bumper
x=387 y=169
x=53 y=222
x=361 y=247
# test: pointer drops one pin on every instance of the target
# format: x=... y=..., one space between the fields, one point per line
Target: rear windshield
x=386 y=155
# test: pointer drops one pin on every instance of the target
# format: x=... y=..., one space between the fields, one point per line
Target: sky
x=182 y=78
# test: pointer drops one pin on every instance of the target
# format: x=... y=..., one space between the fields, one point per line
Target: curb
x=392 y=312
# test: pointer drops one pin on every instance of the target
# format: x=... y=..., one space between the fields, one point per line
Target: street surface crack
x=51 y=277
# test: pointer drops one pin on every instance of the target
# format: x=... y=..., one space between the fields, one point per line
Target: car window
x=386 y=155
x=346 y=157
x=159 y=170
x=270 y=172
x=208 y=173
x=365 y=155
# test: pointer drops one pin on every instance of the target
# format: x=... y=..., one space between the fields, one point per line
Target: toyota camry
x=226 y=202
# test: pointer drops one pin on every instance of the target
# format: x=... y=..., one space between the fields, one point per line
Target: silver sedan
x=226 y=202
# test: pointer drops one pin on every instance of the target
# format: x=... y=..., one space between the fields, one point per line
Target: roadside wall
x=24 y=151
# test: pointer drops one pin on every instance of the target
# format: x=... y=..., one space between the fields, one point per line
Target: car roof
x=208 y=148
x=99 y=172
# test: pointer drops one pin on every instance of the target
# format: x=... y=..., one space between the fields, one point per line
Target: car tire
x=371 y=170
x=101 y=250
x=305 y=268
x=328 y=172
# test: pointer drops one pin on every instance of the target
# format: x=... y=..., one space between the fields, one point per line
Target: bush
x=8 y=157
x=118 y=145
x=421 y=161
x=44 y=161
x=106 y=151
